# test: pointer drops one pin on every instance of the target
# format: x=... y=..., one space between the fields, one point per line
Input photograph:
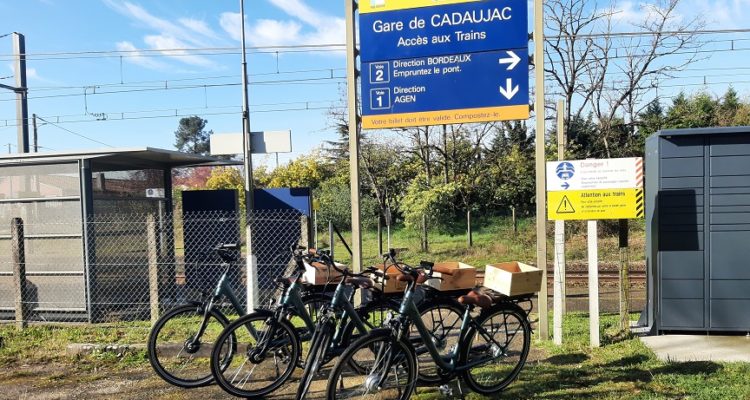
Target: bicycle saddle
x=361 y=282
x=228 y=246
x=476 y=298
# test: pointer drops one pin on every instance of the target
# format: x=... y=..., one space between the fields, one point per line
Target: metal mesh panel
x=132 y=261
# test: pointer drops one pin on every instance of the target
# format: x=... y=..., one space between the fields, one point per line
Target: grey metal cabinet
x=698 y=229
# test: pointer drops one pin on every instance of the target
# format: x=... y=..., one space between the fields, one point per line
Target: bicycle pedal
x=446 y=390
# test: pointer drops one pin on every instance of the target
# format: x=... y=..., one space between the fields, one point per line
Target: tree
x=228 y=178
x=305 y=171
x=191 y=136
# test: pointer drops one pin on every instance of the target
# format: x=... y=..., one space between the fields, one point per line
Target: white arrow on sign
x=512 y=60
x=509 y=90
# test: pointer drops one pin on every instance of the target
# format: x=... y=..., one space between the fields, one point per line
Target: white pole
x=252 y=267
x=593 y=284
x=558 y=292
x=541 y=195
x=559 y=274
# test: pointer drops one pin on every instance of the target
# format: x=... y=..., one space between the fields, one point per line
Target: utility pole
x=252 y=271
x=21 y=90
x=22 y=94
x=36 y=136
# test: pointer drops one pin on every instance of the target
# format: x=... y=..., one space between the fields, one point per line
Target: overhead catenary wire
x=75 y=133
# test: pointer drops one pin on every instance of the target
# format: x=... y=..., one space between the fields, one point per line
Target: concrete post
x=19 y=272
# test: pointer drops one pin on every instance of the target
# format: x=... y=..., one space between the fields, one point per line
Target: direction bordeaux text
x=446 y=19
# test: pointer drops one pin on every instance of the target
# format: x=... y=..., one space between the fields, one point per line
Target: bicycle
x=489 y=355
x=339 y=319
x=181 y=340
x=266 y=341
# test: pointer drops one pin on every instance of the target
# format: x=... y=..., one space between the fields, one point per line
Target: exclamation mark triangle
x=565 y=206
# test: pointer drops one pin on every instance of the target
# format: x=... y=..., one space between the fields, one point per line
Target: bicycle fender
x=263 y=312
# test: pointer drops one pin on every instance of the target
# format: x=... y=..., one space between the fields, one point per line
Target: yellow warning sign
x=595 y=204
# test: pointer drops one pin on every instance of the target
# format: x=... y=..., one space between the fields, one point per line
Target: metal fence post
x=19 y=271
x=330 y=239
x=153 y=267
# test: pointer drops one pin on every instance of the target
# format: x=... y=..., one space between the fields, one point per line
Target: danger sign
x=595 y=189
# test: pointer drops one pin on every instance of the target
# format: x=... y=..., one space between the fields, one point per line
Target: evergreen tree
x=191 y=136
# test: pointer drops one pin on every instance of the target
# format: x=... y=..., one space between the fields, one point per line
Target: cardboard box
x=513 y=278
x=318 y=274
x=391 y=285
x=462 y=276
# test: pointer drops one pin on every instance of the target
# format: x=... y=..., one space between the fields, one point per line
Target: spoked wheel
x=266 y=355
x=442 y=318
x=504 y=339
x=388 y=370
x=317 y=356
x=179 y=355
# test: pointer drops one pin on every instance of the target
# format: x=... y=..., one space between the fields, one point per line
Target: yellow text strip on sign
x=485 y=114
x=595 y=204
x=371 y=6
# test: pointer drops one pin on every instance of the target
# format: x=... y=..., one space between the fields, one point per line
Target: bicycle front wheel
x=266 y=354
x=385 y=369
x=178 y=354
x=503 y=339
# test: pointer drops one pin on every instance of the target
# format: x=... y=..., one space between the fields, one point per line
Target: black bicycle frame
x=449 y=363
x=350 y=315
x=222 y=289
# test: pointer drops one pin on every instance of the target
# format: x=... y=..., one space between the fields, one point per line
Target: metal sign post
x=559 y=272
x=541 y=220
x=252 y=268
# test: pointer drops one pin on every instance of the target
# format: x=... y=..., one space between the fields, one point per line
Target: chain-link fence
x=130 y=267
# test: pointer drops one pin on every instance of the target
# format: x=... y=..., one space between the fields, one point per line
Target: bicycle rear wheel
x=266 y=355
x=386 y=369
x=174 y=353
x=504 y=339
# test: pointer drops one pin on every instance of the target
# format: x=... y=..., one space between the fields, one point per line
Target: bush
x=335 y=205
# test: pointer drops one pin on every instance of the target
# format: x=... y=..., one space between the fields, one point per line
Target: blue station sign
x=446 y=89
x=441 y=30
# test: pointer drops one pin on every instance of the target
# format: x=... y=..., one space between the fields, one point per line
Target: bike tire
x=317 y=356
x=184 y=331
x=507 y=318
x=378 y=343
x=287 y=348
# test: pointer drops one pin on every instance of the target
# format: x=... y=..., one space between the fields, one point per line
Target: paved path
x=685 y=348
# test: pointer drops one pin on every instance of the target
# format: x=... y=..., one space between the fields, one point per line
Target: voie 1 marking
x=466 y=27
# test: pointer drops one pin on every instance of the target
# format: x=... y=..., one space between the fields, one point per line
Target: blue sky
x=53 y=26
x=129 y=75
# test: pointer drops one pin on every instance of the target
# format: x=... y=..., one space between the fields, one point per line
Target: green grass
x=624 y=368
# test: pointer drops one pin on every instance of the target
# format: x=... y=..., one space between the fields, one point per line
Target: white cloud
x=199 y=27
x=172 y=47
x=230 y=22
x=306 y=26
x=183 y=34
x=137 y=57
x=31 y=75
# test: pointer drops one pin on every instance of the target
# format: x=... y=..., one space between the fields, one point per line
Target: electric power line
x=74 y=133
